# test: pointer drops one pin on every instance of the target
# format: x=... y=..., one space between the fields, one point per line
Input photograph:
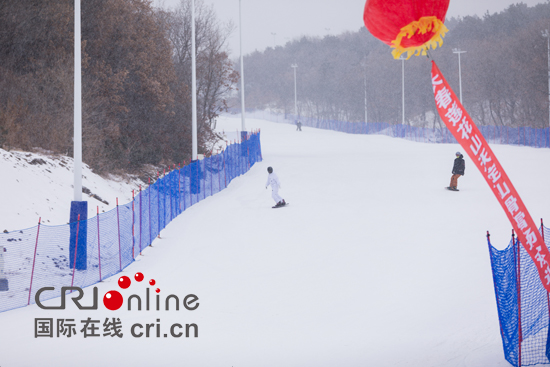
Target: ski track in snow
x=373 y=264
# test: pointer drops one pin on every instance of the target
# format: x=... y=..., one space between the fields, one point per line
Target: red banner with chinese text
x=470 y=138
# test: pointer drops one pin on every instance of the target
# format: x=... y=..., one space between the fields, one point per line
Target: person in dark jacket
x=458 y=170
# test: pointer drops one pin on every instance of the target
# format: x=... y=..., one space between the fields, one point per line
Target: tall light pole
x=402 y=58
x=243 y=127
x=79 y=209
x=458 y=51
x=294 y=66
x=274 y=43
x=77 y=138
x=547 y=35
x=364 y=64
x=194 y=154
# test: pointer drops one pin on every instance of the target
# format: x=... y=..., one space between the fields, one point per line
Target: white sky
x=274 y=22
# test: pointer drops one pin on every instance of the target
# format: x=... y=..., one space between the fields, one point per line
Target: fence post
x=170 y=191
x=184 y=207
x=494 y=282
x=543 y=240
x=224 y=173
x=98 y=244
x=133 y=227
x=219 y=174
x=149 y=195
x=211 y=177
x=179 y=188
x=75 y=247
x=191 y=182
x=158 y=203
x=140 y=215
x=34 y=260
x=518 y=285
x=164 y=198
x=173 y=196
x=118 y=227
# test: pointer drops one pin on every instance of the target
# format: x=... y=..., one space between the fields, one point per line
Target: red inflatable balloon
x=408 y=26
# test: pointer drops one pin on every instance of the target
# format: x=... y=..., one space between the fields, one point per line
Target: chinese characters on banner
x=468 y=135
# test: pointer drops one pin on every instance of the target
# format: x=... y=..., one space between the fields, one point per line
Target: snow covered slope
x=373 y=264
x=41 y=185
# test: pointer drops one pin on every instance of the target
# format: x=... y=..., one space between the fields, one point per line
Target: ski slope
x=372 y=264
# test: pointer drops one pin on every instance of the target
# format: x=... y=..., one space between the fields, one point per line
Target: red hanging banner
x=470 y=138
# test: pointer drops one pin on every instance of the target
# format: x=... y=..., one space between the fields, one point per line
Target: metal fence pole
x=118 y=226
x=34 y=259
x=98 y=244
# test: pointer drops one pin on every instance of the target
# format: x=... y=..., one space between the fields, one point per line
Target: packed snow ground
x=372 y=264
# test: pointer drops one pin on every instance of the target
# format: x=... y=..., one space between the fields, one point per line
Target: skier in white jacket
x=273 y=180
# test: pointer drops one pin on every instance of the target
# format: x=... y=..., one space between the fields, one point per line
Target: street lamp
x=364 y=64
x=243 y=127
x=458 y=51
x=194 y=153
x=274 y=43
x=79 y=209
x=547 y=35
x=294 y=66
x=403 y=58
x=77 y=138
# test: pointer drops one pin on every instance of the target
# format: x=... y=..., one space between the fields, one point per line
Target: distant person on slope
x=298 y=125
x=458 y=170
x=273 y=180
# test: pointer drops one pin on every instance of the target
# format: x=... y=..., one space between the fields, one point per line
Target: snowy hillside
x=372 y=264
x=41 y=185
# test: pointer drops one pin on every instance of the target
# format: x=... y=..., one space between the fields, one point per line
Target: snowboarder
x=298 y=125
x=273 y=180
x=458 y=170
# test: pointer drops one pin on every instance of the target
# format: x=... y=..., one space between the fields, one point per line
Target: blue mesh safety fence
x=527 y=136
x=38 y=257
x=523 y=304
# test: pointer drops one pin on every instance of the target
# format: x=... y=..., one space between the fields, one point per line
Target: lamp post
x=458 y=51
x=547 y=35
x=402 y=58
x=194 y=154
x=79 y=209
x=274 y=43
x=294 y=66
x=364 y=64
x=77 y=138
x=243 y=127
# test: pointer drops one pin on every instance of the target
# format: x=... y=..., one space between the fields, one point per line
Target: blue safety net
x=38 y=257
x=523 y=304
x=524 y=135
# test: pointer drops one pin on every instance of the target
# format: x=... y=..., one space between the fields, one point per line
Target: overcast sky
x=267 y=23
